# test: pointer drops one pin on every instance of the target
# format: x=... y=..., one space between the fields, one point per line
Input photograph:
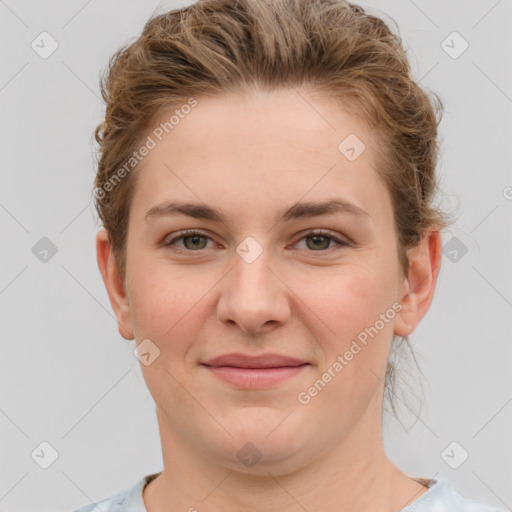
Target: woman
x=266 y=187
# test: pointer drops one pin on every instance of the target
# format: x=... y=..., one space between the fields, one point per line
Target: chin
x=262 y=447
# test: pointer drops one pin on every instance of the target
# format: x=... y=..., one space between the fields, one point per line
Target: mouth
x=239 y=360
x=251 y=372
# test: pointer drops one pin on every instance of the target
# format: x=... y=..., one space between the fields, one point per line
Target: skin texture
x=250 y=157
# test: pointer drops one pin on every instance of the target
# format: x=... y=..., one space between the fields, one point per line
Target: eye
x=191 y=239
x=195 y=240
x=321 y=240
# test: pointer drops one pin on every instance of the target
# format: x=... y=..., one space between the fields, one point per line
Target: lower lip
x=255 y=377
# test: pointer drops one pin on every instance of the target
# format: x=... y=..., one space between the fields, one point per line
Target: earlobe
x=418 y=289
x=113 y=284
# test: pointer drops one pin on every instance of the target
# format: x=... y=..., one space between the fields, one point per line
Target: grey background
x=68 y=378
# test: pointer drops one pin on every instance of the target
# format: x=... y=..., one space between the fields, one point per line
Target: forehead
x=260 y=150
x=288 y=118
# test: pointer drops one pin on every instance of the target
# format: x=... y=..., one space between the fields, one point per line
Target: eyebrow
x=297 y=211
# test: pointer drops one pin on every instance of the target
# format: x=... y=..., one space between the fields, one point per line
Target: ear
x=417 y=290
x=114 y=284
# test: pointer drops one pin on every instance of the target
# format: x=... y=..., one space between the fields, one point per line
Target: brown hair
x=327 y=46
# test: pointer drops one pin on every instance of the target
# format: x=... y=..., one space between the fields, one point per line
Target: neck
x=355 y=475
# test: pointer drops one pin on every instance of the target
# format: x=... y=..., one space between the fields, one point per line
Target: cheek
x=164 y=300
x=351 y=304
x=168 y=308
x=354 y=358
x=351 y=297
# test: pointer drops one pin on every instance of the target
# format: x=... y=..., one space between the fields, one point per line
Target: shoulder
x=442 y=496
x=128 y=500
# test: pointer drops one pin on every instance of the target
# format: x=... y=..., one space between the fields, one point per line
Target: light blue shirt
x=441 y=496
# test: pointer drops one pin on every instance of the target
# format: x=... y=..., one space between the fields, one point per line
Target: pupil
x=317 y=240
x=195 y=240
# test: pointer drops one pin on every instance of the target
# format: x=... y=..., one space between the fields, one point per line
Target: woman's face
x=259 y=281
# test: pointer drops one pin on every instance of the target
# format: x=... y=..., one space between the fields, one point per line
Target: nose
x=254 y=296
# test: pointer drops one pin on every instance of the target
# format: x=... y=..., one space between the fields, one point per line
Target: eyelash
x=315 y=232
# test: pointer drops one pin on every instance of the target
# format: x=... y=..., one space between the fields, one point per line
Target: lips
x=248 y=372
x=238 y=360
